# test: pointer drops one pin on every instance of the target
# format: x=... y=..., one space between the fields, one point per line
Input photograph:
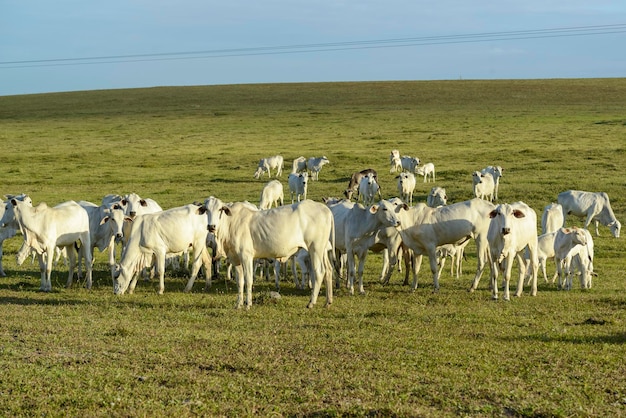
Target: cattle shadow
x=28 y=301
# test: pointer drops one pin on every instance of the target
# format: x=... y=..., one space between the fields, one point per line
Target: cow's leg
x=111 y=248
x=72 y=257
x=417 y=265
x=482 y=255
x=362 y=257
x=319 y=274
x=495 y=269
x=88 y=266
x=248 y=276
x=195 y=268
x=384 y=276
x=160 y=270
x=351 y=269
x=432 y=259
x=208 y=269
x=2 y=273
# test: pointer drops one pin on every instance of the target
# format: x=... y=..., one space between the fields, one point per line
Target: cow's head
x=615 y=226
x=214 y=208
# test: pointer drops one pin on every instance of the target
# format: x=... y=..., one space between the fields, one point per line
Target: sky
x=71 y=45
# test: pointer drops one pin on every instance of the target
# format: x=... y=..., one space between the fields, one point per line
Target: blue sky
x=38 y=37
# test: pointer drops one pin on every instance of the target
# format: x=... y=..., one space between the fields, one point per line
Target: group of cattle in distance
x=324 y=237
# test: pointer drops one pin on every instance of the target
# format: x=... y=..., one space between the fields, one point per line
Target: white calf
x=428 y=171
x=272 y=194
x=266 y=165
x=484 y=185
x=368 y=187
x=564 y=243
x=396 y=162
x=298 y=186
x=406 y=187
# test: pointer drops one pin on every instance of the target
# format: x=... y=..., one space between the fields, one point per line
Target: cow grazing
x=299 y=165
x=354 y=224
x=396 y=162
x=594 y=206
x=46 y=228
x=437 y=197
x=355 y=179
x=484 y=185
x=277 y=233
x=567 y=244
x=551 y=218
x=423 y=229
x=406 y=187
x=272 y=194
x=298 y=186
x=11 y=227
x=368 y=189
x=314 y=165
x=266 y=165
x=512 y=230
x=158 y=234
x=428 y=171
x=496 y=172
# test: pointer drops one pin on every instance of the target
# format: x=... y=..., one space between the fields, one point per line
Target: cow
x=299 y=165
x=11 y=227
x=551 y=218
x=271 y=194
x=423 y=229
x=496 y=172
x=428 y=171
x=368 y=189
x=105 y=227
x=513 y=229
x=484 y=185
x=545 y=251
x=409 y=163
x=244 y=235
x=355 y=179
x=45 y=228
x=396 y=162
x=353 y=224
x=582 y=260
x=314 y=165
x=172 y=231
x=456 y=253
x=298 y=186
x=565 y=242
x=437 y=197
x=595 y=206
x=134 y=205
x=406 y=187
x=266 y=165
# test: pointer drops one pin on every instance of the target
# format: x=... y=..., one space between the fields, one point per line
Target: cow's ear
x=493 y=214
x=128 y=219
x=104 y=220
x=373 y=209
x=124 y=202
x=519 y=214
x=143 y=202
x=201 y=210
x=405 y=206
x=226 y=210
x=14 y=202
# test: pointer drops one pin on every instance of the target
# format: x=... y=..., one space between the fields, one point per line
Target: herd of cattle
x=323 y=238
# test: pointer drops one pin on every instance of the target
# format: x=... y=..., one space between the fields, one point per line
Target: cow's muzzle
x=506 y=231
x=211 y=228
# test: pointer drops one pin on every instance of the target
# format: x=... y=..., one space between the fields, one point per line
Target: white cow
x=298 y=186
x=355 y=180
x=299 y=165
x=565 y=242
x=314 y=165
x=134 y=205
x=545 y=251
x=496 y=172
x=266 y=165
x=276 y=233
x=423 y=229
x=396 y=162
x=11 y=227
x=409 y=163
x=271 y=194
x=582 y=261
x=46 y=228
x=456 y=253
x=595 y=206
x=406 y=187
x=428 y=171
x=512 y=230
x=437 y=197
x=484 y=185
x=368 y=188
x=353 y=224
x=106 y=227
x=158 y=234
x=551 y=218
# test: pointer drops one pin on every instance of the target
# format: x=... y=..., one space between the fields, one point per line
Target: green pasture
x=390 y=352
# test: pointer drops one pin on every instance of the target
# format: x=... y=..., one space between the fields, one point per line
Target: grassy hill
x=391 y=352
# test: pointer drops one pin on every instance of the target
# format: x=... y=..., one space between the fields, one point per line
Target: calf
x=10 y=228
x=428 y=171
x=271 y=194
x=266 y=165
x=512 y=229
x=368 y=188
x=483 y=185
x=355 y=179
x=396 y=162
x=409 y=163
x=496 y=172
x=406 y=186
x=594 y=206
x=565 y=243
x=298 y=185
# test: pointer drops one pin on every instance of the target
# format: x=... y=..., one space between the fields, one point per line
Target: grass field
x=391 y=352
